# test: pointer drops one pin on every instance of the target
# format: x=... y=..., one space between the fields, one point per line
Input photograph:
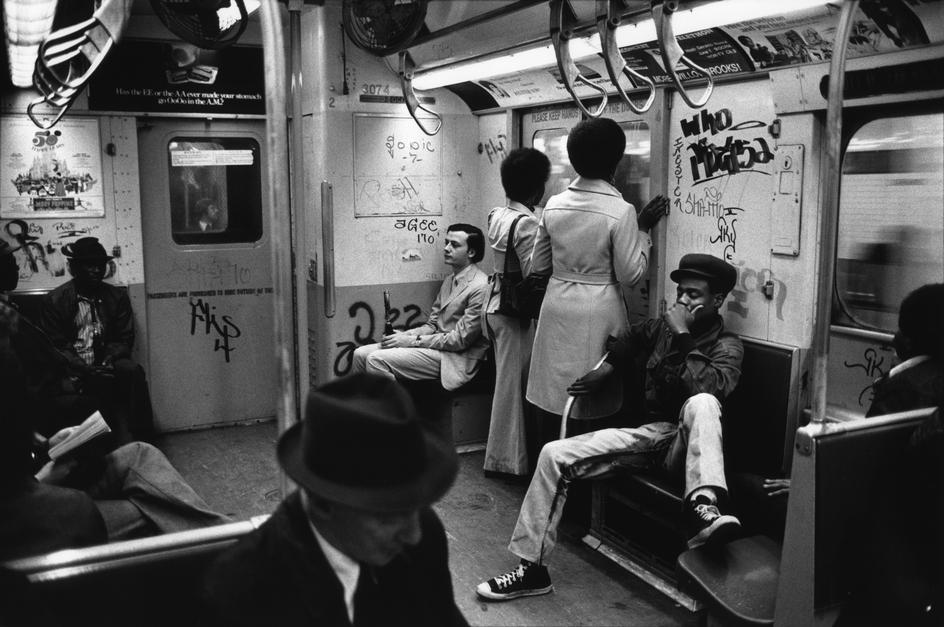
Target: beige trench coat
x=588 y=237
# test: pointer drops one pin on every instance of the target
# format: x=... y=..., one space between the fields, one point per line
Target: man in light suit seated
x=449 y=346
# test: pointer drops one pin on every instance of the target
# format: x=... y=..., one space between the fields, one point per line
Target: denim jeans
x=691 y=447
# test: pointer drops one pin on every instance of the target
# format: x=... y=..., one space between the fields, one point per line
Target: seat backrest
x=835 y=470
x=151 y=581
x=761 y=415
x=28 y=304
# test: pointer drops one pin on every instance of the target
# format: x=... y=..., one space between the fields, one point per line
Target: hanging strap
x=510 y=248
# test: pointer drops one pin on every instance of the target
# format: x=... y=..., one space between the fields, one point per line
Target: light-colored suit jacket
x=454 y=326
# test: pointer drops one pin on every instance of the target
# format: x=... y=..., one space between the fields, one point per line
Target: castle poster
x=53 y=173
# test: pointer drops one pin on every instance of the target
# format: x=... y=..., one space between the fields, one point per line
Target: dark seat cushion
x=738 y=580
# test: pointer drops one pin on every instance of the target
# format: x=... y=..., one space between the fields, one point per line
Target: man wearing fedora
x=91 y=324
x=691 y=364
x=357 y=543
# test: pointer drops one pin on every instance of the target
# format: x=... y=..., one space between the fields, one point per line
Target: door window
x=632 y=174
x=215 y=190
x=891 y=227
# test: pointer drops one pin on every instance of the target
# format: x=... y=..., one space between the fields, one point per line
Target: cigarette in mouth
x=695 y=309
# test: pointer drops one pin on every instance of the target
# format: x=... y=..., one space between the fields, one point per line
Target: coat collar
x=516 y=206
x=309 y=571
x=594 y=186
x=462 y=280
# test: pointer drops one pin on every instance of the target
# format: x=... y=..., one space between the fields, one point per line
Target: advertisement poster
x=798 y=37
x=177 y=77
x=53 y=173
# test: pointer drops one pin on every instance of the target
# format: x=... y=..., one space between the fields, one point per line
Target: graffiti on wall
x=221 y=327
x=873 y=367
x=365 y=330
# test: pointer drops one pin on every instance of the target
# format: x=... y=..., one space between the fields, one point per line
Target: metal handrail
x=562 y=31
x=407 y=67
x=672 y=53
x=569 y=404
x=277 y=199
x=829 y=209
x=608 y=20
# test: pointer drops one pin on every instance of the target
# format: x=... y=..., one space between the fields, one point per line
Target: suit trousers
x=140 y=493
x=406 y=363
x=691 y=447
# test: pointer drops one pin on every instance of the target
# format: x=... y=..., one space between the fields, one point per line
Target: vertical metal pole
x=277 y=198
x=829 y=209
x=299 y=215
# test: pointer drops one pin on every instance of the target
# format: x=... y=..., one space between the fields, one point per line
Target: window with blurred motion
x=891 y=218
x=632 y=174
x=215 y=190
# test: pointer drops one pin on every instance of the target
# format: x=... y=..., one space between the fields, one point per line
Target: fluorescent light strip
x=700 y=18
x=27 y=22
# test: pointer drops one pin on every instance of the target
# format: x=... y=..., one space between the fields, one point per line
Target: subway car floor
x=234 y=469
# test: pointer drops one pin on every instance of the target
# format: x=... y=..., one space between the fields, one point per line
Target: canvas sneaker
x=527 y=579
x=708 y=525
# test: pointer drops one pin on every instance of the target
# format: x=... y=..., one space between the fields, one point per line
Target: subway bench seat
x=841 y=471
x=637 y=517
x=461 y=415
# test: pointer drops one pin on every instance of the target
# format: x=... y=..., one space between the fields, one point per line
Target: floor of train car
x=234 y=469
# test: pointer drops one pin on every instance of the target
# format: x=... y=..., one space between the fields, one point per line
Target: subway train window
x=891 y=223
x=632 y=174
x=553 y=143
x=215 y=190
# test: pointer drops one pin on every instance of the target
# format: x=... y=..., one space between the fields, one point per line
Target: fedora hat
x=86 y=249
x=362 y=444
x=721 y=275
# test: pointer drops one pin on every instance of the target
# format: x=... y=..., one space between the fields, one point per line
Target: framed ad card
x=52 y=173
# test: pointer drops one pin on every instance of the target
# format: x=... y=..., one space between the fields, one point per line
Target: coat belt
x=588 y=279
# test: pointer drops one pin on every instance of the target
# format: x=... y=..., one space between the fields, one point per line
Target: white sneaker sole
x=485 y=591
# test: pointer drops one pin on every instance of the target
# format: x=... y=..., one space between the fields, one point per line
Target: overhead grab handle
x=672 y=53
x=562 y=31
x=68 y=57
x=608 y=20
x=407 y=67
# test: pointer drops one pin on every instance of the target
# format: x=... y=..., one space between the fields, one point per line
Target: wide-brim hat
x=86 y=249
x=719 y=273
x=363 y=444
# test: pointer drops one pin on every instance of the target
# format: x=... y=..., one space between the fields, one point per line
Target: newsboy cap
x=720 y=274
x=363 y=444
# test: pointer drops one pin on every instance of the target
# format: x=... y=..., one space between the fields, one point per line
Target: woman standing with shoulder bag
x=524 y=173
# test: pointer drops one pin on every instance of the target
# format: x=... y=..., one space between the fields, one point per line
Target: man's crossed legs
x=691 y=447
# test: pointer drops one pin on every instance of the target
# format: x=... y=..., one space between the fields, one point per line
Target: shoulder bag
x=520 y=297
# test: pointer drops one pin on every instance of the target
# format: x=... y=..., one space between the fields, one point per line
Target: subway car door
x=207 y=272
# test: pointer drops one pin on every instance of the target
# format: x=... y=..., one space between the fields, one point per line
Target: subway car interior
x=271 y=185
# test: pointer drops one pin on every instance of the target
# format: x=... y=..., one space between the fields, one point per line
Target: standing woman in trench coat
x=524 y=173
x=595 y=248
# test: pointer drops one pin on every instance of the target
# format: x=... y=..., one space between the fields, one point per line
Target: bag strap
x=510 y=246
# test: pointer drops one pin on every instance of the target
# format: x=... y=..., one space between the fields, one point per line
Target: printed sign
x=180 y=78
x=52 y=173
